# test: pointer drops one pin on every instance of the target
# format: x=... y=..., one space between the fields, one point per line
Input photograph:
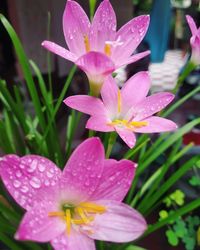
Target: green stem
x=92 y=4
x=111 y=142
x=187 y=70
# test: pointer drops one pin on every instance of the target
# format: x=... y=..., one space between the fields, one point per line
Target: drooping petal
x=132 y=59
x=75 y=241
x=109 y=94
x=152 y=104
x=99 y=123
x=192 y=24
x=58 y=50
x=84 y=168
x=127 y=136
x=156 y=125
x=135 y=90
x=37 y=225
x=96 y=65
x=115 y=181
x=130 y=36
x=28 y=178
x=86 y=104
x=76 y=27
x=120 y=223
x=103 y=26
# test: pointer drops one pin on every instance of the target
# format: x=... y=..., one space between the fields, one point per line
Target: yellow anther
x=82 y=214
x=119 y=101
x=80 y=221
x=107 y=49
x=128 y=124
x=92 y=208
x=87 y=43
x=59 y=214
x=68 y=221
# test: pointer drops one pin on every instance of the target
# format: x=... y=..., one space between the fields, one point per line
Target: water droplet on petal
x=24 y=189
x=41 y=167
x=32 y=166
x=35 y=182
x=16 y=183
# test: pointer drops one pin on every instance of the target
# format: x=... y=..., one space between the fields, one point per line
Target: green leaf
x=195 y=181
x=172 y=238
x=134 y=248
x=163 y=214
x=180 y=228
x=178 y=197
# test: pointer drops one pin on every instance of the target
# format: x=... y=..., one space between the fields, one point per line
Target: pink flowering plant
x=108 y=194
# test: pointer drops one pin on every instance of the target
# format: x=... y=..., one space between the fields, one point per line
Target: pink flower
x=125 y=111
x=96 y=47
x=73 y=207
x=194 y=41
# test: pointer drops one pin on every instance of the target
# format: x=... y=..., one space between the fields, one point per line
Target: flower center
x=128 y=124
x=82 y=214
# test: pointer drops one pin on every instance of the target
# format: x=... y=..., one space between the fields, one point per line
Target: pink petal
x=99 y=123
x=86 y=104
x=152 y=104
x=109 y=94
x=84 y=168
x=191 y=24
x=132 y=59
x=127 y=136
x=115 y=181
x=103 y=26
x=55 y=48
x=120 y=223
x=28 y=177
x=130 y=35
x=76 y=26
x=36 y=225
x=75 y=241
x=135 y=90
x=96 y=65
x=157 y=125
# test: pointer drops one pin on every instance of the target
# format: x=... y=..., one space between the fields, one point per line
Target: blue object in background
x=158 y=34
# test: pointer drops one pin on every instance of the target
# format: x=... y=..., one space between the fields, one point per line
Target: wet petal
x=76 y=27
x=86 y=104
x=130 y=35
x=28 y=178
x=192 y=24
x=96 y=65
x=127 y=136
x=152 y=104
x=132 y=59
x=157 y=125
x=103 y=26
x=99 y=123
x=120 y=223
x=135 y=90
x=37 y=225
x=58 y=50
x=109 y=94
x=115 y=181
x=76 y=241
x=84 y=168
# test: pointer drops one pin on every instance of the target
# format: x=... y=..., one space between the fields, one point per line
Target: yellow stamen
x=82 y=214
x=68 y=221
x=52 y=214
x=119 y=101
x=92 y=208
x=107 y=49
x=80 y=221
x=129 y=124
x=87 y=43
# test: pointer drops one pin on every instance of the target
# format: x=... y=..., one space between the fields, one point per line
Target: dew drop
x=35 y=182
x=24 y=189
x=32 y=166
x=18 y=173
x=16 y=183
x=41 y=167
